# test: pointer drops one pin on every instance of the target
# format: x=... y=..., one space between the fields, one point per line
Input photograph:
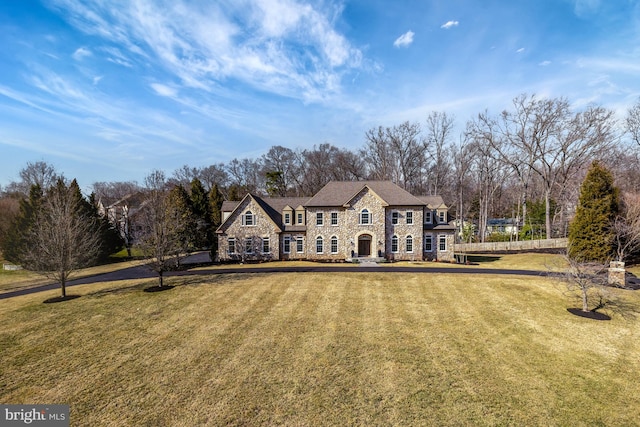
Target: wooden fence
x=523 y=245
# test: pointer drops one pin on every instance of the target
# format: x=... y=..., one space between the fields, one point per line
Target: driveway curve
x=142 y=272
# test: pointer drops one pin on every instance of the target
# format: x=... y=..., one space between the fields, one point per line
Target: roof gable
x=340 y=193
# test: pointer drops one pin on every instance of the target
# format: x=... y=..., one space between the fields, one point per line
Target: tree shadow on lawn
x=60 y=299
x=476 y=259
x=588 y=314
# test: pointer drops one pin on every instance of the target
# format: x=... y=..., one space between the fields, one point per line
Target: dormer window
x=248 y=219
x=427 y=217
x=300 y=218
x=365 y=217
x=287 y=218
x=442 y=217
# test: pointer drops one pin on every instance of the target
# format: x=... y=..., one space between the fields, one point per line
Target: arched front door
x=364 y=245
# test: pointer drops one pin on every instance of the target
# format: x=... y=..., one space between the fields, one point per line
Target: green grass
x=322 y=349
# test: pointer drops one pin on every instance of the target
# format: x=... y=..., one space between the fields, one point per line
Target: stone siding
x=402 y=230
x=264 y=227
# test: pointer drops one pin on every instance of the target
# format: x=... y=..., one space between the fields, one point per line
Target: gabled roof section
x=272 y=207
x=433 y=202
x=340 y=193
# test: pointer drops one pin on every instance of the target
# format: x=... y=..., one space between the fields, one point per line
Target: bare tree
x=160 y=239
x=63 y=237
x=632 y=122
x=438 y=141
x=627 y=227
x=39 y=173
x=587 y=281
x=213 y=175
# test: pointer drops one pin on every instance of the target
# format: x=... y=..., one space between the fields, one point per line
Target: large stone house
x=343 y=221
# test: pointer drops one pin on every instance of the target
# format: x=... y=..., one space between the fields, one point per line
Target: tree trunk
x=63 y=287
x=547 y=213
x=160 y=278
x=585 y=305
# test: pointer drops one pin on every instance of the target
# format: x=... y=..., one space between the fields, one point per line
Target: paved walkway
x=142 y=272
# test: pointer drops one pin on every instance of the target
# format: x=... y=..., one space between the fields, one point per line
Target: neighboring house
x=502 y=226
x=344 y=220
x=121 y=214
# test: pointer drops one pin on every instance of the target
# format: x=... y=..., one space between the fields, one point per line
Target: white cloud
x=279 y=46
x=164 y=90
x=97 y=79
x=520 y=50
x=449 y=24
x=81 y=53
x=404 y=40
x=544 y=63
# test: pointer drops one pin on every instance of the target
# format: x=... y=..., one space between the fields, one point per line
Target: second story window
x=287 y=218
x=442 y=217
x=300 y=218
x=248 y=218
x=394 y=217
x=365 y=217
x=334 y=218
x=409 y=217
x=319 y=218
x=427 y=217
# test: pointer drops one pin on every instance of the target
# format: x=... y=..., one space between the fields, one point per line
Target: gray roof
x=273 y=207
x=340 y=193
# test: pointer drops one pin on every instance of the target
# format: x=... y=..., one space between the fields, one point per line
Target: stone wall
x=402 y=230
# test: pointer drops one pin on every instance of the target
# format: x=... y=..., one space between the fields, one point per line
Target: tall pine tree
x=591 y=233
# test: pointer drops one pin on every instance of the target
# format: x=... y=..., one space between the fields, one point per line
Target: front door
x=364 y=245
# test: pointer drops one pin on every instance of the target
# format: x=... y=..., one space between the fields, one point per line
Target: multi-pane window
x=265 y=245
x=428 y=243
x=287 y=218
x=319 y=245
x=365 y=217
x=248 y=246
x=319 y=218
x=248 y=218
x=442 y=216
x=299 y=245
x=409 y=243
x=334 y=245
x=334 y=218
x=232 y=245
x=286 y=245
x=409 y=217
x=394 y=244
x=300 y=219
x=427 y=217
x=394 y=217
x=442 y=243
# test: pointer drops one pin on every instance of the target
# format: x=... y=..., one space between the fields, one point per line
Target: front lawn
x=322 y=349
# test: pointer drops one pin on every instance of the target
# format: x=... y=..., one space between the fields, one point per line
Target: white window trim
x=407 y=215
x=284 y=244
x=428 y=217
x=301 y=251
x=316 y=244
x=250 y=241
x=287 y=221
x=300 y=218
x=441 y=237
x=406 y=243
x=395 y=214
x=331 y=245
x=266 y=239
x=397 y=250
x=331 y=219
x=369 y=217
x=229 y=240
x=442 y=217
x=428 y=238
x=319 y=219
x=253 y=219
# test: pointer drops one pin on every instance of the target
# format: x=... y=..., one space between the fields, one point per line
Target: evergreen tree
x=183 y=223
x=591 y=233
x=215 y=207
x=14 y=242
x=202 y=213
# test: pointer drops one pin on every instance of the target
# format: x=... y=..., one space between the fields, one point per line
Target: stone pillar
x=617 y=273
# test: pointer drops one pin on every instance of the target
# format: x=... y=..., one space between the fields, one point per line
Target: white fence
x=522 y=245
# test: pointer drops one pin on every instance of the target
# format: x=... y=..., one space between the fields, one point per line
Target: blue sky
x=108 y=90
